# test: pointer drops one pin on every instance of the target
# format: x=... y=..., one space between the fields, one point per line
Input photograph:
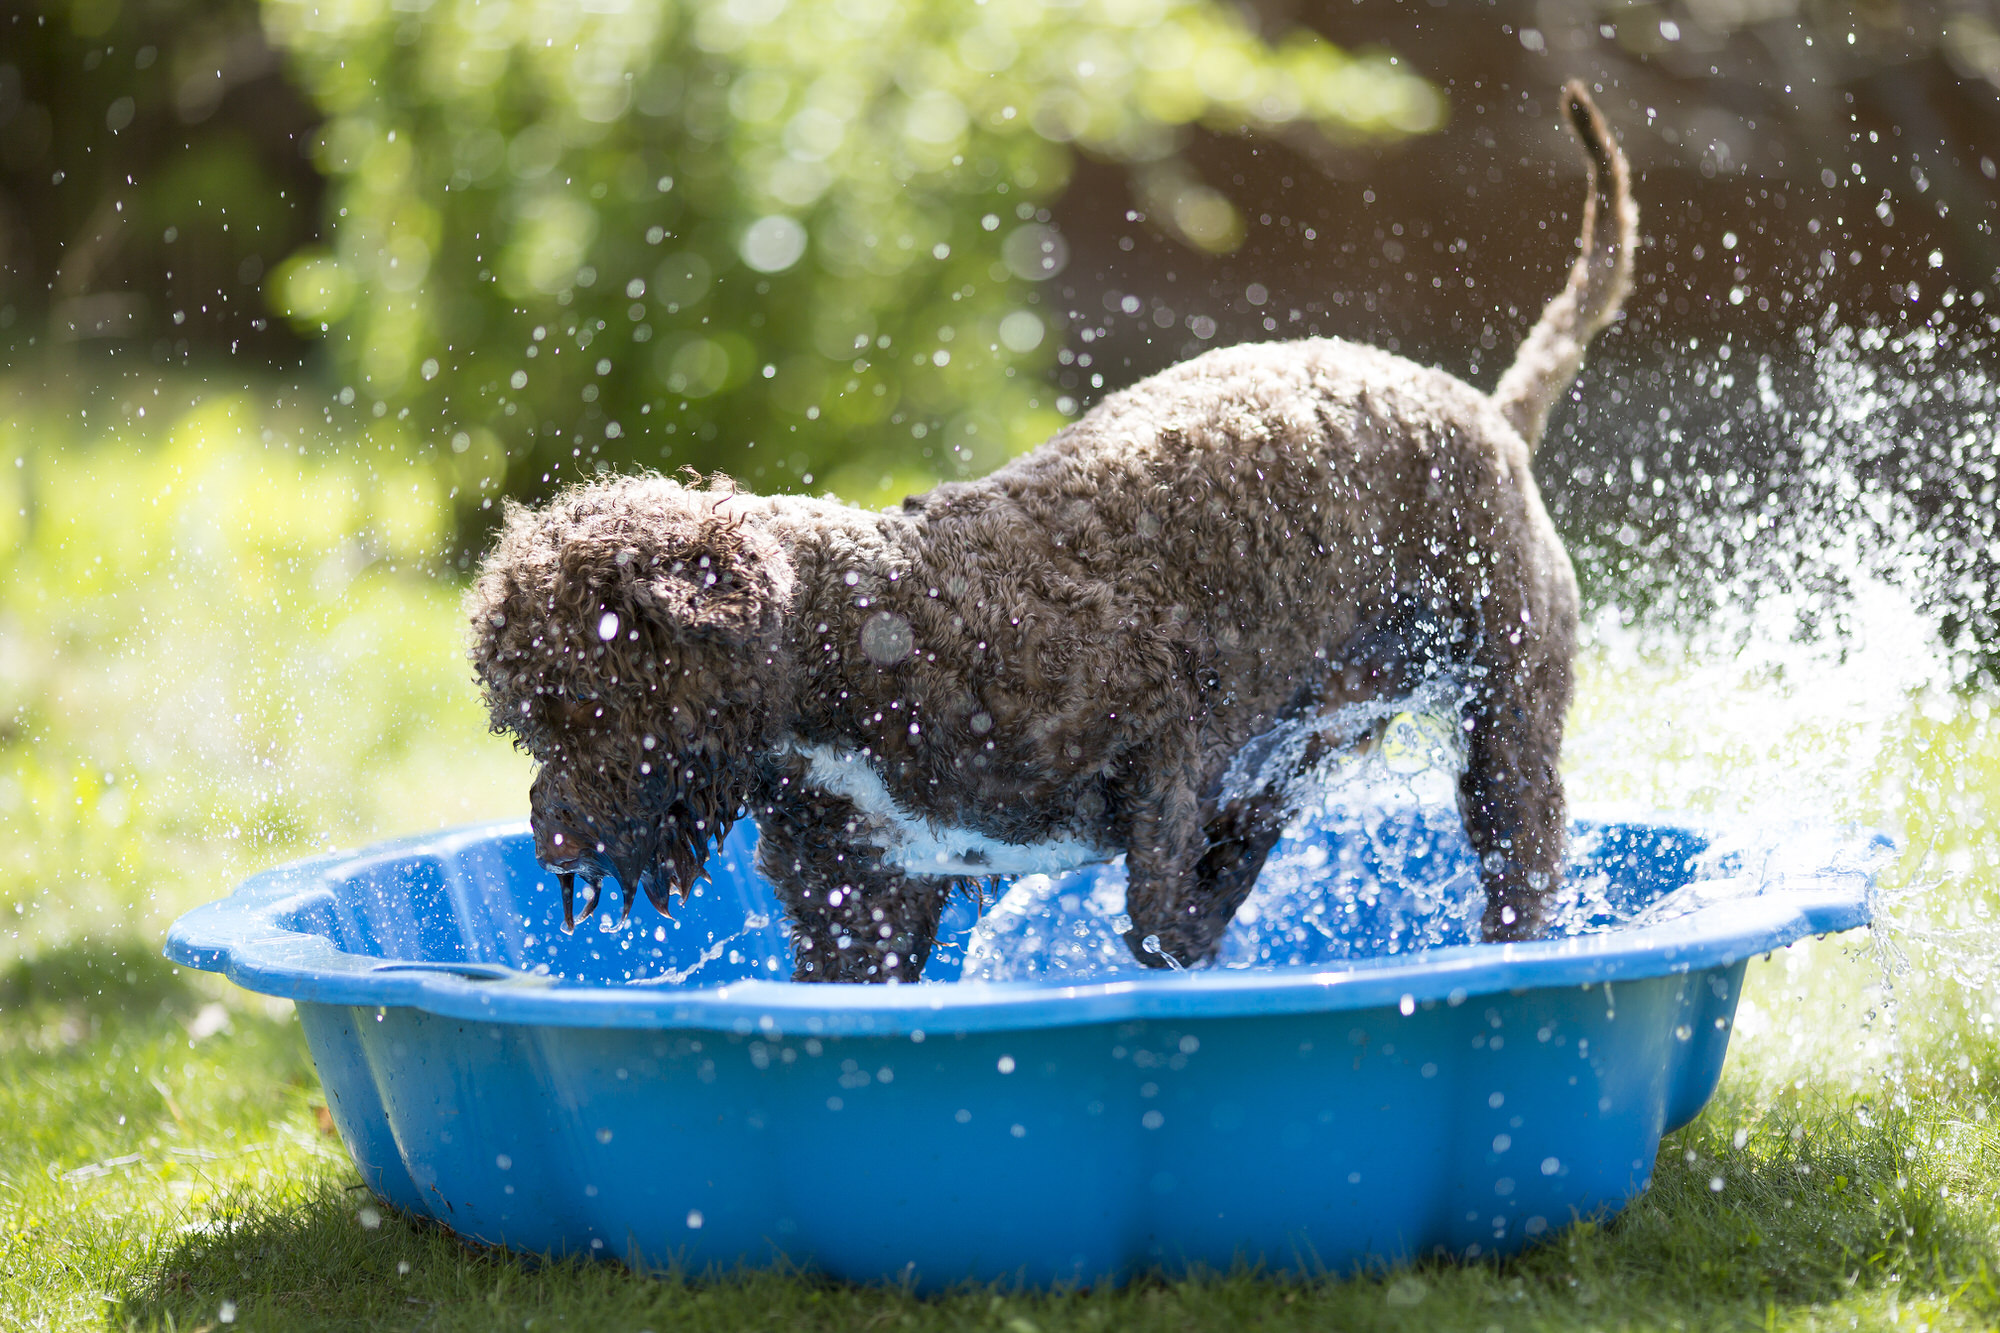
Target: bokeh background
x=294 y=293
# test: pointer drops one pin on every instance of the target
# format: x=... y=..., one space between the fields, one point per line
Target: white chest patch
x=917 y=846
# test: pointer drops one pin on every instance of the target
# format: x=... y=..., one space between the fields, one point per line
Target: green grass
x=219 y=647
x=154 y=1179
x=200 y=681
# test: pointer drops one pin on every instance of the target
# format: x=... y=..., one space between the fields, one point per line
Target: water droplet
x=886 y=639
x=773 y=244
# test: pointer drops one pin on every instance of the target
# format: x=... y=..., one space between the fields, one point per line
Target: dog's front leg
x=1233 y=849
x=866 y=925
x=1511 y=794
x=1162 y=876
x=854 y=917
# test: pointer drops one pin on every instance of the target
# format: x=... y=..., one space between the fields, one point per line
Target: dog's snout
x=556 y=846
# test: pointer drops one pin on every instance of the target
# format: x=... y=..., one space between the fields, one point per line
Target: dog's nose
x=560 y=851
x=557 y=845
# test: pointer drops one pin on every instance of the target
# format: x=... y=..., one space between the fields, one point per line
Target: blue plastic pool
x=1356 y=1082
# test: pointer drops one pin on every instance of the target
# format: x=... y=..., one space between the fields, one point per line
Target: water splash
x=1807 y=631
x=1394 y=876
x=1151 y=944
x=1796 y=657
x=753 y=928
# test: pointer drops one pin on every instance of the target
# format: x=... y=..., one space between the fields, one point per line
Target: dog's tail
x=1553 y=351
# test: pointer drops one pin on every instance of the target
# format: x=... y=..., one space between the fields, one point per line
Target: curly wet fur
x=1069 y=653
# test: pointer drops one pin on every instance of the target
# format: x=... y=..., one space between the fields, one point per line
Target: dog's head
x=628 y=637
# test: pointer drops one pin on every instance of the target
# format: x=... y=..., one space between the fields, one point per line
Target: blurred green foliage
x=222 y=645
x=751 y=234
x=150 y=174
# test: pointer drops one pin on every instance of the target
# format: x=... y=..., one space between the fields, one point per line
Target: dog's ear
x=725 y=580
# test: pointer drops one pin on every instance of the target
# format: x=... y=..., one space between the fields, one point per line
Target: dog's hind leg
x=1510 y=795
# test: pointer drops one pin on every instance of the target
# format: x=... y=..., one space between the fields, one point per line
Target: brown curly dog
x=1078 y=656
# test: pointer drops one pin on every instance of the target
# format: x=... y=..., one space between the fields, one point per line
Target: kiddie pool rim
x=241 y=937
